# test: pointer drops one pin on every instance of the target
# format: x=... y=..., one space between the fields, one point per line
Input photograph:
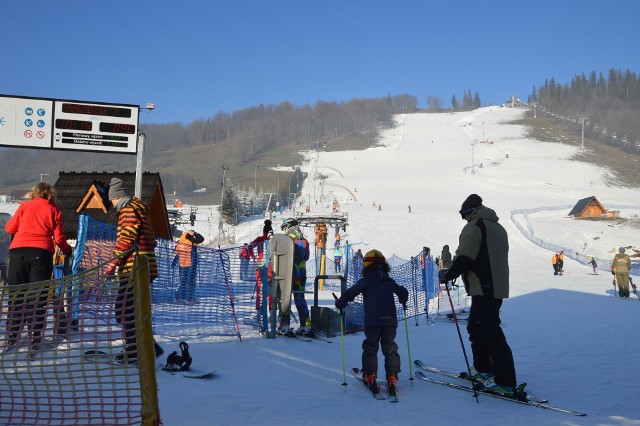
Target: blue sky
x=195 y=58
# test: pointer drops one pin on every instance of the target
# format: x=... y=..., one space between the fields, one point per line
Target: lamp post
x=139 y=156
x=42 y=174
x=473 y=145
x=224 y=169
x=255 y=187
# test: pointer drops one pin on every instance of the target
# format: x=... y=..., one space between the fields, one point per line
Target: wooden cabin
x=87 y=193
x=588 y=207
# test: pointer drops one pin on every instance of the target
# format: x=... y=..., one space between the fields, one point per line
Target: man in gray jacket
x=482 y=260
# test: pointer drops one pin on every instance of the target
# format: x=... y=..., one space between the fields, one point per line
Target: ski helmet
x=371 y=257
x=288 y=223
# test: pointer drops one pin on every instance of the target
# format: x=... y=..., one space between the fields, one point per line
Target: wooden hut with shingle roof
x=588 y=207
x=84 y=192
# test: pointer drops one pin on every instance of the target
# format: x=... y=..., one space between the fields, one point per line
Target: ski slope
x=572 y=340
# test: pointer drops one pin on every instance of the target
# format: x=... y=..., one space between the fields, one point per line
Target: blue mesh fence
x=227 y=294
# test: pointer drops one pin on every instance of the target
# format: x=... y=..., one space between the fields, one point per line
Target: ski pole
x=406 y=329
x=344 y=376
x=615 y=292
x=633 y=286
x=464 y=351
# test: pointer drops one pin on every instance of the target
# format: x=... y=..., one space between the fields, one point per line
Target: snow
x=573 y=341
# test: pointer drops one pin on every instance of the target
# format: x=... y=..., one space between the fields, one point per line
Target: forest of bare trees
x=231 y=139
x=609 y=105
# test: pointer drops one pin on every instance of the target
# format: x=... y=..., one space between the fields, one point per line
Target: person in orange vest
x=554 y=262
x=187 y=261
x=561 y=261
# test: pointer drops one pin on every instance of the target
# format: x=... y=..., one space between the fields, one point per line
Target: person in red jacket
x=36 y=228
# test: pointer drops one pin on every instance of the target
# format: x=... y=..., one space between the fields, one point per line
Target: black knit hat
x=472 y=202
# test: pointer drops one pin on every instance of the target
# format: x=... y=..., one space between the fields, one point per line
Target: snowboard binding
x=177 y=362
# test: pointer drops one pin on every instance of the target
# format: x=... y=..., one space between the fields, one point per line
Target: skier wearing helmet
x=380 y=319
x=298 y=283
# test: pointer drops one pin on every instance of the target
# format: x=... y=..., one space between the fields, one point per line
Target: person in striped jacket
x=134 y=229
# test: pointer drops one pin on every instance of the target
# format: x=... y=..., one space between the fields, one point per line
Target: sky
x=193 y=59
x=573 y=341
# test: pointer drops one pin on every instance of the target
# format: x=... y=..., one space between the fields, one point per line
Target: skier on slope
x=482 y=261
x=445 y=257
x=620 y=267
x=555 y=262
x=380 y=320
x=594 y=265
x=299 y=281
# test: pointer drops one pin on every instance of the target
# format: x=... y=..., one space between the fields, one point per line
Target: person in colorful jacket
x=620 y=267
x=36 y=230
x=134 y=229
x=337 y=258
x=298 y=284
x=187 y=261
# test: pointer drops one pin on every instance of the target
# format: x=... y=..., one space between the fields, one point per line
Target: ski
x=465 y=376
x=357 y=373
x=292 y=335
x=420 y=375
x=104 y=358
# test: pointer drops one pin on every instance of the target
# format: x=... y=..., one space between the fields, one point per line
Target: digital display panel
x=85 y=126
x=104 y=110
x=128 y=129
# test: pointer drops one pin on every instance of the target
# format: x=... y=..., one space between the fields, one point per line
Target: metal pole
x=224 y=169
x=138 y=185
x=255 y=188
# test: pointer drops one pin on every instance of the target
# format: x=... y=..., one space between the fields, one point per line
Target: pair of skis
x=529 y=400
x=304 y=337
x=357 y=373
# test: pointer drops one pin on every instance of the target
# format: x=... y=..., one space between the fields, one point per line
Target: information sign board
x=68 y=125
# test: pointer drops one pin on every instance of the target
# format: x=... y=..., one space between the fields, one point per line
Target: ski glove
x=341 y=304
x=110 y=269
x=441 y=274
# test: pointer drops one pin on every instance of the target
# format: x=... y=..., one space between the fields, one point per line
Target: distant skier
x=554 y=262
x=445 y=258
x=594 y=265
x=337 y=258
x=409 y=209
x=561 y=261
x=380 y=318
x=620 y=267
